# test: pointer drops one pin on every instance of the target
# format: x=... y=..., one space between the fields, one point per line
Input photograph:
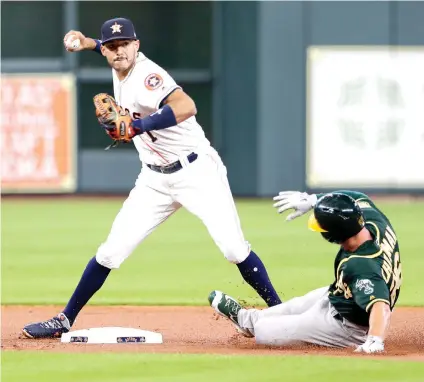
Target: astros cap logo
x=116 y=28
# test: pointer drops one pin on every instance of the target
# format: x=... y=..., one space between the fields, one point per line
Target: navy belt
x=173 y=167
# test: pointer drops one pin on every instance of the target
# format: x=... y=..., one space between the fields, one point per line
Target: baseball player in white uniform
x=180 y=168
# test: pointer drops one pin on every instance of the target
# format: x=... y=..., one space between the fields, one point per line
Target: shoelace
x=53 y=323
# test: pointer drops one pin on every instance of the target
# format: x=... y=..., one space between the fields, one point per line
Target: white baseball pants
x=307 y=319
x=201 y=186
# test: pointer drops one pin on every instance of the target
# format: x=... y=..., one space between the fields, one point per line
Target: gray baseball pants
x=307 y=319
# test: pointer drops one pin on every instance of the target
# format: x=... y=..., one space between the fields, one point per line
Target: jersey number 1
x=137 y=116
x=152 y=137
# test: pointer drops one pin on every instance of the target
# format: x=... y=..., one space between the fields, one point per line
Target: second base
x=112 y=335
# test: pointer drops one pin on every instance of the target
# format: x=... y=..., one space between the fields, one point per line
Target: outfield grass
x=47 y=243
x=48 y=367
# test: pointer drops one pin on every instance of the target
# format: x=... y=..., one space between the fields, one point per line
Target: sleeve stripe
x=374 y=301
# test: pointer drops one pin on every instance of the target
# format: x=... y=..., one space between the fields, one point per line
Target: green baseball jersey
x=370 y=274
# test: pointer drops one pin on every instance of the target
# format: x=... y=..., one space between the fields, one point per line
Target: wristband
x=161 y=119
x=98 y=45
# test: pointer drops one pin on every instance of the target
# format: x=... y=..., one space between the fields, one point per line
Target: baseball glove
x=114 y=119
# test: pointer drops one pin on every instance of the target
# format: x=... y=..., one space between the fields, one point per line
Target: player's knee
x=108 y=261
x=237 y=252
x=111 y=257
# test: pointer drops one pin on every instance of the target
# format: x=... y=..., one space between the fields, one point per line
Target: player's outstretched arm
x=75 y=41
x=380 y=319
x=178 y=107
x=181 y=104
x=379 y=323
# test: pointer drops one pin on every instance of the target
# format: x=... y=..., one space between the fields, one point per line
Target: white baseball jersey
x=200 y=186
x=141 y=93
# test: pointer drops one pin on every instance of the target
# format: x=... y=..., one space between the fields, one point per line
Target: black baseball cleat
x=52 y=328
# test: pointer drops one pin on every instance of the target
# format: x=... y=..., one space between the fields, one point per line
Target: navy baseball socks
x=91 y=281
x=254 y=273
x=252 y=269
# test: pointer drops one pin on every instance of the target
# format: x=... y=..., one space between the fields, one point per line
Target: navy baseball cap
x=118 y=29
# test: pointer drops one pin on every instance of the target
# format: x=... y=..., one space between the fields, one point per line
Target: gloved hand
x=114 y=119
x=373 y=344
x=301 y=202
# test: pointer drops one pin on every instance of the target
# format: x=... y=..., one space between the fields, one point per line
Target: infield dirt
x=191 y=330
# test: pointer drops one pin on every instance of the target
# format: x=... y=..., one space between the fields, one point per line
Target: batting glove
x=373 y=344
x=301 y=202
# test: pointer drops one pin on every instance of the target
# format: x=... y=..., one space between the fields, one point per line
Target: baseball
x=72 y=44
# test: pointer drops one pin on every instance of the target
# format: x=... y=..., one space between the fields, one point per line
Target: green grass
x=47 y=243
x=193 y=368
